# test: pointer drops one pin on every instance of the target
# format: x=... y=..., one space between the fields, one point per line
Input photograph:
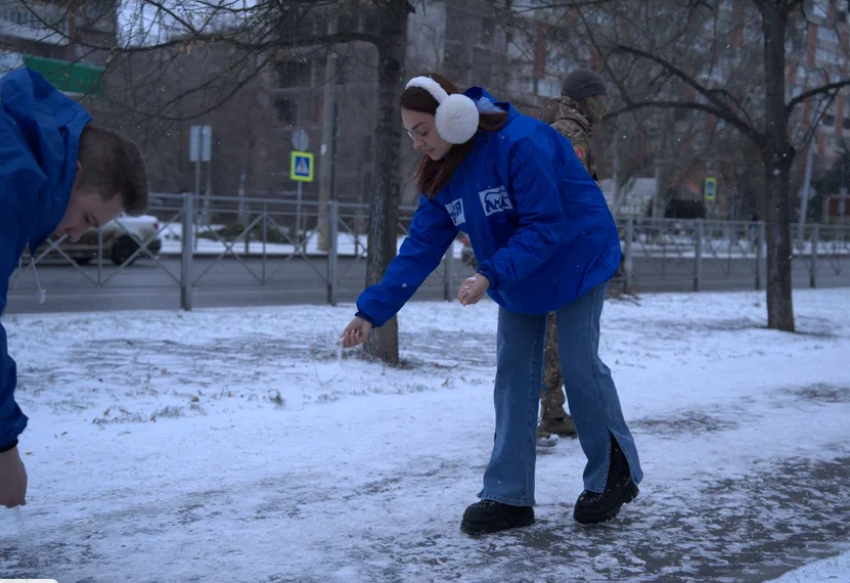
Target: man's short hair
x=113 y=166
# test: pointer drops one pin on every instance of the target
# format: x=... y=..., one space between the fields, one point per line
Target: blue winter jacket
x=538 y=223
x=39 y=133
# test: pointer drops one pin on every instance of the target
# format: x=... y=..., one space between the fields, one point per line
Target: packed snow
x=238 y=445
x=832 y=570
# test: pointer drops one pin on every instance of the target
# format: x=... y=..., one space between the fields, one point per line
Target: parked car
x=118 y=245
x=467 y=255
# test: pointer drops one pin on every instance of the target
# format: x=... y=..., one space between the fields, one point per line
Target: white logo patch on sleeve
x=455 y=209
x=495 y=200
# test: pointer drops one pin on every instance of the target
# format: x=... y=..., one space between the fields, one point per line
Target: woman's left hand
x=473 y=289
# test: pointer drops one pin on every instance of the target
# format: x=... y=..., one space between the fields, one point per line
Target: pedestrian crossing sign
x=710 y=189
x=301 y=167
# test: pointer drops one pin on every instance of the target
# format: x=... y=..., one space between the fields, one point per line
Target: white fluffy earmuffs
x=457 y=115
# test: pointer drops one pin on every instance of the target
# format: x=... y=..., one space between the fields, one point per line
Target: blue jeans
x=591 y=394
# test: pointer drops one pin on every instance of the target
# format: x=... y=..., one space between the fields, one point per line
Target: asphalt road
x=146 y=286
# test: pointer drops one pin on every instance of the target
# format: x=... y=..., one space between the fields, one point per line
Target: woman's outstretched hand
x=472 y=290
x=356 y=333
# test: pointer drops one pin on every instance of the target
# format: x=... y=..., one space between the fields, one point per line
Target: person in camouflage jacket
x=581 y=105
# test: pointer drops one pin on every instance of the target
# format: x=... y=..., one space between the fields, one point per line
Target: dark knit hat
x=583 y=83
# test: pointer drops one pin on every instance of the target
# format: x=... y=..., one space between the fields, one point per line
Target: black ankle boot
x=593 y=508
x=490 y=516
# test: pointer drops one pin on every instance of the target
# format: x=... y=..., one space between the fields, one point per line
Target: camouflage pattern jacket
x=562 y=114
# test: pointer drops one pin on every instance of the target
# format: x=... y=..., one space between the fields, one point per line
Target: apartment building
x=68 y=43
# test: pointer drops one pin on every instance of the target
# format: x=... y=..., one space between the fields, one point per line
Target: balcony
x=40 y=23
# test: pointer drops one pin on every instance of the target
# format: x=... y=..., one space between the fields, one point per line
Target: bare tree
x=383 y=226
x=248 y=36
x=699 y=56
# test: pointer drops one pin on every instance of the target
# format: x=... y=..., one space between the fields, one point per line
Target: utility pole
x=328 y=145
x=804 y=193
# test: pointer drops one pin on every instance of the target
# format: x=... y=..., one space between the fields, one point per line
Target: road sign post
x=300 y=170
x=200 y=150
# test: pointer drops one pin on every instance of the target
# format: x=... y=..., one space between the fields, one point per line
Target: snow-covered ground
x=832 y=570
x=235 y=446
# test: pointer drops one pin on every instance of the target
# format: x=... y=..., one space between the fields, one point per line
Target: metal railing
x=54 y=248
x=671 y=247
x=264 y=236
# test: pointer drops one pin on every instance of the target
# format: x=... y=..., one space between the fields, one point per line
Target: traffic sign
x=300 y=140
x=710 y=189
x=200 y=143
x=301 y=167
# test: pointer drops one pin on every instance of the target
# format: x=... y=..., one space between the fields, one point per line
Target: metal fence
x=267 y=237
x=726 y=249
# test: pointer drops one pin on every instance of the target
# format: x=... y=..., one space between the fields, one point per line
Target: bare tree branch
x=161 y=6
x=830 y=89
x=711 y=95
x=817 y=118
x=691 y=105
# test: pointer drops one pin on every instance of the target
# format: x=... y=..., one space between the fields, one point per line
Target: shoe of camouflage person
x=562 y=427
x=546 y=439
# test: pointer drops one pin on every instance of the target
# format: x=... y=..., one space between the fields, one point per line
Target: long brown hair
x=433 y=175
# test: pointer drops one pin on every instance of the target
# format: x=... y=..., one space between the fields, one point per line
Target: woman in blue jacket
x=545 y=242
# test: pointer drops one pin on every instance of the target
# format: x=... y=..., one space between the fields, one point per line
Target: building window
x=827 y=34
x=453 y=62
x=846 y=123
x=294 y=74
x=483 y=67
x=457 y=25
x=752 y=34
x=558 y=36
x=827 y=57
x=829 y=120
x=488 y=32
x=347 y=22
x=821 y=8
x=829 y=143
x=369 y=21
x=287 y=111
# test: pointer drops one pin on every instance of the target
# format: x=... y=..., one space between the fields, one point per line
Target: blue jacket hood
x=487 y=103
x=50 y=124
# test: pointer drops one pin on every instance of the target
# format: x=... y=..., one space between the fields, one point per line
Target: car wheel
x=122 y=249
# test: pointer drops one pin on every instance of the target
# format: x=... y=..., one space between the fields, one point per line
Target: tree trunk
x=777 y=216
x=383 y=226
x=777 y=155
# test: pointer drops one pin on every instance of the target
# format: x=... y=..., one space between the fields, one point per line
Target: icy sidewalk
x=832 y=570
x=231 y=445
